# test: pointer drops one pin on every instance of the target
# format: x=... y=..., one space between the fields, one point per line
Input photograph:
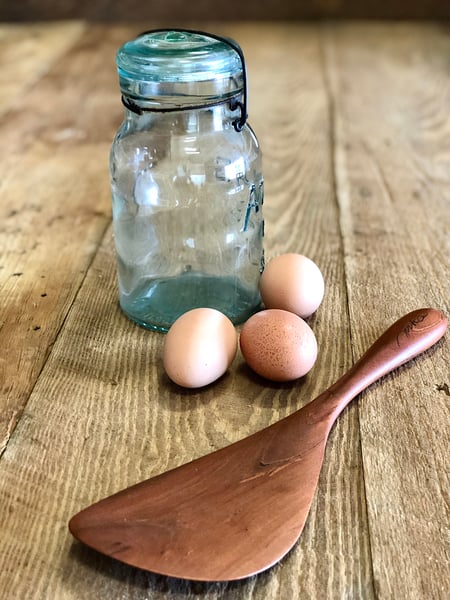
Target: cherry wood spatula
x=239 y=510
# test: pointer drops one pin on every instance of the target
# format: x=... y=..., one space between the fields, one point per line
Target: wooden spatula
x=237 y=511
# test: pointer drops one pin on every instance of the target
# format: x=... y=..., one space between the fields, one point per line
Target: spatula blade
x=247 y=518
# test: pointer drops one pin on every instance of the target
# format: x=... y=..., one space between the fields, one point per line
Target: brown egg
x=278 y=345
x=199 y=347
x=292 y=282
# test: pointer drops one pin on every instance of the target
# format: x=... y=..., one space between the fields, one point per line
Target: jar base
x=157 y=303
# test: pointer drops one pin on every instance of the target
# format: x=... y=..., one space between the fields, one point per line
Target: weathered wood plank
x=27 y=53
x=302 y=216
x=391 y=90
x=103 y=413
x=55 y=202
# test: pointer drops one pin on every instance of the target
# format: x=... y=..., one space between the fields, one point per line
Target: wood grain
x=27 y=53
x=290 y=110
x=353 y=123
x=51 y=217
x=393 y=175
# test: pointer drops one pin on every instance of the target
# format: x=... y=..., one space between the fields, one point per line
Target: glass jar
x=186 y=180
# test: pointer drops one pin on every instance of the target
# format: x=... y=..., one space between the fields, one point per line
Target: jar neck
x=141 y=114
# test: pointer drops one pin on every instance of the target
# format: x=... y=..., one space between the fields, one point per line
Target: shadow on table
x=124 y=577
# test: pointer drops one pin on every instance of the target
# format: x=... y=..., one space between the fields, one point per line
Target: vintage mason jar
x=187 y=185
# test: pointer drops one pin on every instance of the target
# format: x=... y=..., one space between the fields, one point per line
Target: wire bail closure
x=235 y=104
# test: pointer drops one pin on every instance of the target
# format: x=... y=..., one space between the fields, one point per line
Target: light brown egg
x=278 y=345
x=199 y=347
x=292 y=282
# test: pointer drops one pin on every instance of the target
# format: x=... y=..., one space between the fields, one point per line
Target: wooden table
x=354 y=124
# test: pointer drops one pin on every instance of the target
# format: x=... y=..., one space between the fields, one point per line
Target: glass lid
x=174 y=68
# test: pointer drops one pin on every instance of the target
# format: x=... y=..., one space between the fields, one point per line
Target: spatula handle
x=406 y=338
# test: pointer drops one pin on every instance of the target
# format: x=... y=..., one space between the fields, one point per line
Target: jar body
x=187 y=193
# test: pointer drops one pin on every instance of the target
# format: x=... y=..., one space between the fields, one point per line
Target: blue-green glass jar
x=186 y=179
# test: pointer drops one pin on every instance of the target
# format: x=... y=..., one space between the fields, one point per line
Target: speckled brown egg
x=278 y=345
